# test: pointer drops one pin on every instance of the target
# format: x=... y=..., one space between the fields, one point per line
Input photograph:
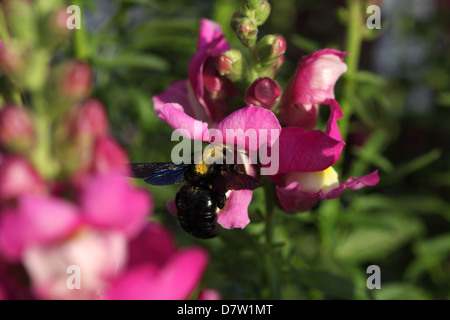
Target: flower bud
x=76 y=80
x=245 y=28
x=18 y=177
x=263 y=92
x=231 y=64
x=273 y=70
x=89 y=119
x=16 y=129
x=11 y=59
x=55 y=28
x=258 y=9
x=270 y=48
x=108 y=157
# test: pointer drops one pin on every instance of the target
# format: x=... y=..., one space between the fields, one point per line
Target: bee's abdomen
x=196 y=207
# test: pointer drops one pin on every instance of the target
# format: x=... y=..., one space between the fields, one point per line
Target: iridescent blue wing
x=159 y=173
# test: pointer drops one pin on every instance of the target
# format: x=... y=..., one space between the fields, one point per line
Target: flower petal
x=211 y=33
x=211 y=43
x=185 y=125
x=126 y=210
x=37 y=220
x=97 y=256
x=235 y=213
x=154 y=244
x=293 y=199
x=176 y=280
x=302 y=151
x=180 y=92
x=254 y=122
x=312 y=84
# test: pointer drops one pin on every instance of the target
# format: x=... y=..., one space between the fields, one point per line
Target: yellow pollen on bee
x=201 y=168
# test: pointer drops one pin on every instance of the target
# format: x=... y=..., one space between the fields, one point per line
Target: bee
x=204 y=190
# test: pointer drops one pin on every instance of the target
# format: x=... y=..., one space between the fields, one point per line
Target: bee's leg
x=221 y=198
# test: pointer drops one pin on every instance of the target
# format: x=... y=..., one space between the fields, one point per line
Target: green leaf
x=304 y=43
x=412 y=166
x=135 y=60
x=367 y=77
x=400 y=291
x=409 y=204
x=332 y=285
x=374 y=242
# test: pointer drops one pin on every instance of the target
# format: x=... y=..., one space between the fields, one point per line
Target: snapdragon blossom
x=311 y=85
x=93 y=221
x=203 y=94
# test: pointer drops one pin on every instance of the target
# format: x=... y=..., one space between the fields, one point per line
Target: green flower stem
x=4 y=35
x=272 y=270
x=353 y=47
x=82 y=46
x=42 y=154
x=329 y=211
x=253 y=73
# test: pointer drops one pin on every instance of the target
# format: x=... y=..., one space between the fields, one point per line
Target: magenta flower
x=202 y=94
x=311 y=85
x=41 y=219
x=315 y=150
x=156 y=270
x=48 y=234
x=18 y=177
x=304 y=177
x=299 y=191
x=17 y=132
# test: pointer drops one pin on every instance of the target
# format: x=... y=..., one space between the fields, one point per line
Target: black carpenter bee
x=204 y=190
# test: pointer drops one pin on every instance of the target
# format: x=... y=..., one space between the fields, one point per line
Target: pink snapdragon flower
x=203 y=94
x=303 y=180
x=315 y=150
x=299 y=191
x=312 y=84
x=157 y=270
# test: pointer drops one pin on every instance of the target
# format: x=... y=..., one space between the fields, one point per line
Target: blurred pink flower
x=17 y=131
x=88 y=119
x=312 y=84
x=98 y=255
x=209 y=294
x=48 y=234
x=110 y=202
x=18 y=177
x=203 y=94
x=157 y=270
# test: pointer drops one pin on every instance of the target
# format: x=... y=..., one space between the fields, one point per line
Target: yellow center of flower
x=312 y=182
